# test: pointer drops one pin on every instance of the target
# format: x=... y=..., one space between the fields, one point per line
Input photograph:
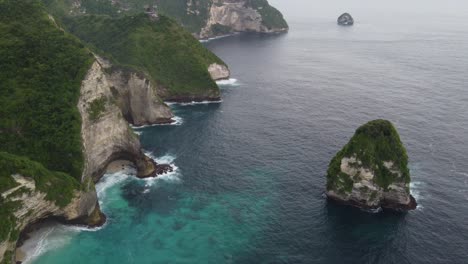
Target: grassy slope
x=41 y=69
x=169 y=54
x=373 y=143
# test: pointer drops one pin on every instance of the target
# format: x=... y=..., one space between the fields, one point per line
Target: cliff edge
x=228 y=16
x=65 y=117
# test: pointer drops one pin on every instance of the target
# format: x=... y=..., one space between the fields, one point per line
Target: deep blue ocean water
x=251 y=170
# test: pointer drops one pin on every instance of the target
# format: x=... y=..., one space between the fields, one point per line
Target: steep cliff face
x=135 y=95
x=36 y=196
x=371 y=170
x=33 y=206
x=106 y=134
x=154 y=47
x=203 y=18
x=218 y=72
x=53 y=151
x=226 y=16
x=106 y=137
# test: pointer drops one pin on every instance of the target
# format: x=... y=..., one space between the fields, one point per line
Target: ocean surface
x=250 y=171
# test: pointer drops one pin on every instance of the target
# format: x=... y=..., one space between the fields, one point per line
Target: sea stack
x=371 y=171
x=345 y=20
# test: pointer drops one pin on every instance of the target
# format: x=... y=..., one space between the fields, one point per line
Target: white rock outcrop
x=236 y=15
x=218 y=72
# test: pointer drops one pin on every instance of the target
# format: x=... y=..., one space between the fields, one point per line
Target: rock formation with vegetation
x=65 y=110
x=203 y=18
x=371 y=171
x=345 y=20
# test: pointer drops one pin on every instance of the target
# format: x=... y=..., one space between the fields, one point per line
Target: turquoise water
x=175 y=225
x=251 y=170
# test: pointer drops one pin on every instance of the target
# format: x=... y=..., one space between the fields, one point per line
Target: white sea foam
x=112 y=179
x=194 y=103
x=416 y=188
x=176 y=121
x=53 y=236
x=228 y=82
x=218 y=37
x=49 y=237
x=173 y=176
x=373 y=211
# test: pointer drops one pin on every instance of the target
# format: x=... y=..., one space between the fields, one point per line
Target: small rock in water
x=345 y=20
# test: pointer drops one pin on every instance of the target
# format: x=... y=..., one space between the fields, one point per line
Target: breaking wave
x=218 y=37
x=176 y=121
x=228 y=82
x=195 y=103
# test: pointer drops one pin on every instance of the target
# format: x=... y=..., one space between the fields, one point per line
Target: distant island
x=204 y=19
x=345 y=20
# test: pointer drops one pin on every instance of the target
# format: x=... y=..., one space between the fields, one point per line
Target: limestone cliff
x=33 y=205
x=227 y=16
x=203 y=18
x=106 y=134
x=218 y=72
x=135 y=95
x=371 y=170
x=106 y=137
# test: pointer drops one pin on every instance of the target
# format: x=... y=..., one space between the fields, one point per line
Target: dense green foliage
x=372 y=144
x=176 y=9
x=96 y=108
x=58 y=187
x=60 y=8
x=41 y=69
x=193 y=17
x=46 y=181
x=170 y=55
x=271 y=17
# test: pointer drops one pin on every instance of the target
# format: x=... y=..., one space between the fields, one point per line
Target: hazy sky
x=333 y=8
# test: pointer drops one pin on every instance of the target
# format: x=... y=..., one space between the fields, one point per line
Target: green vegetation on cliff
x=373 y=144
x=194 y=19
x=46 y=181
x=41 y=69
x=192 y=15
x=59 y=187
x=172 y=57
x=271 y=17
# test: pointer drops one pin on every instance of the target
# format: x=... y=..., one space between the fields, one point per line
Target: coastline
x=31 y=239
x=51 y=233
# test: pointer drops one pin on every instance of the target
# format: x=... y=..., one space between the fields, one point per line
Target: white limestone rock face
x=35 y=206
x=106 y=135
x=365 y=191
x=236 y=15
x=219 y=72
x=135 y=95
